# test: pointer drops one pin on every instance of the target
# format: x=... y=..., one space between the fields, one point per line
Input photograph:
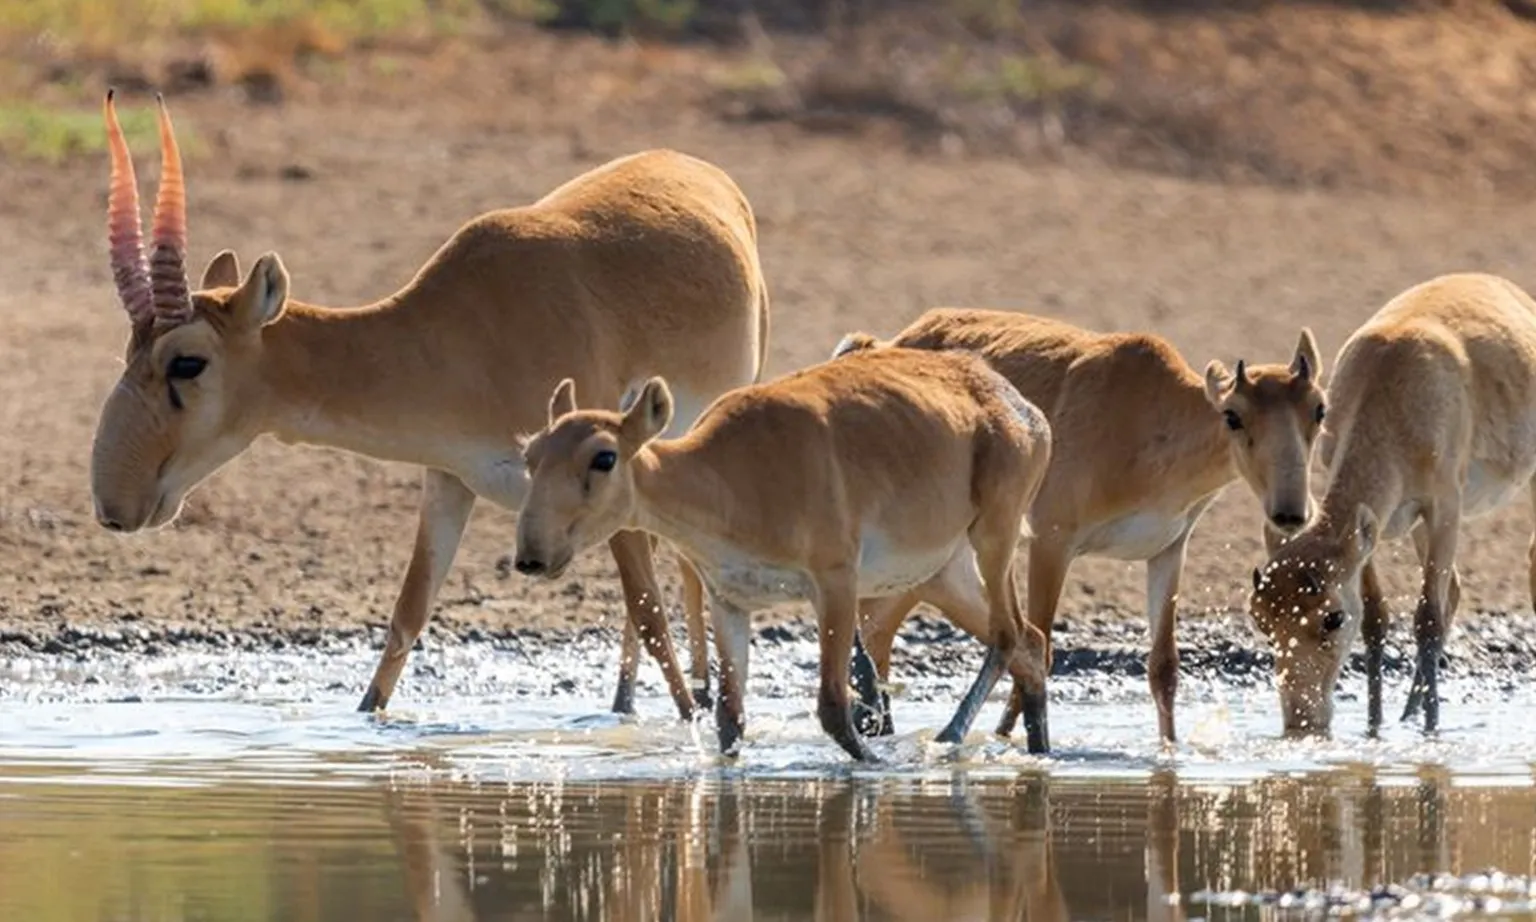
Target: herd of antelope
x=594 y=362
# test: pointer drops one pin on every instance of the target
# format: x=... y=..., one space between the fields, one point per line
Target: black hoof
x=373 y=700
x=702 y=699
x=1036 y=732
x=624 y=700
x=873 y=722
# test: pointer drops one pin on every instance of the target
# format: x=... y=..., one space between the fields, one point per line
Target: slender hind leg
x=1433 y=614
x=1048 y=565
x=1023 y=648
x=1417 y=689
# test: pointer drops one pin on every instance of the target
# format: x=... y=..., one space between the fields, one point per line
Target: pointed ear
x=647 y=417
x=223 y=271
x=264 y=296
x=563 y=400
x=1367 y=528
x=1307 y=364
x=1217 y=382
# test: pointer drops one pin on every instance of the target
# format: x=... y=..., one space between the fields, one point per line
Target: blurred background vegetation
x=1383 y=93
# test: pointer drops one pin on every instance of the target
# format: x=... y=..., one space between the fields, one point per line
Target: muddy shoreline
x=1493 y=648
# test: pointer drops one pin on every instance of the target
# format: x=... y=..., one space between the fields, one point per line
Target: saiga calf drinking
x=861 y=477
x=645 y=265
x=1432 y=421
x=1141 y=446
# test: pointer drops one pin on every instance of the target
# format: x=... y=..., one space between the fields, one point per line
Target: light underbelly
x=1136 y=536
x=1486 y=489
x=750 y=584
x=887 y=569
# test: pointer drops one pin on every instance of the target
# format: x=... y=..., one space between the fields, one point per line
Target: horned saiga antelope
x=862 y=477
x=1432 y=420
x=1141 y=446
x=646 y=265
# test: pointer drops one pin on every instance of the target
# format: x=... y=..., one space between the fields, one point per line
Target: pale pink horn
x=168 y=261
x=124 y=233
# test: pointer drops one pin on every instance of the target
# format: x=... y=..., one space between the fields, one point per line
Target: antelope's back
x=1459 y=347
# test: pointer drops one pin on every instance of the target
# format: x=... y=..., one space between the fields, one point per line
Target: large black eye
x=1320 y=413
x=1333 y=621
x=1234 y=422
x=185 y=367
x=604 y=461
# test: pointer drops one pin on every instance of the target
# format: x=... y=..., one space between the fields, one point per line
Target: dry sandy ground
x=858 y=231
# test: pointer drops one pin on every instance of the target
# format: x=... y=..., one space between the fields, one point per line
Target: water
x=243 y=786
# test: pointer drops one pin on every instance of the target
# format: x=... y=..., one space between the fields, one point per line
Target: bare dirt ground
x=358 y=177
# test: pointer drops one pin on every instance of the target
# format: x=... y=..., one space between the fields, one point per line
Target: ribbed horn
x=168 y=261
x=124 y=233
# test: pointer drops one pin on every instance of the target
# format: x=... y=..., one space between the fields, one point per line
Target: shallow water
x=243 y=786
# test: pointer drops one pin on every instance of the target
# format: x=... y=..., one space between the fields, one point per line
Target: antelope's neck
x=362 y=379
x=680 y=497
x=1207 y=456
x=1359 y=478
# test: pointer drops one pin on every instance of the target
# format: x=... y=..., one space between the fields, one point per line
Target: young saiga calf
x=1141 y=446
x=1432 y=420
x=645 y=265
x=861 y=477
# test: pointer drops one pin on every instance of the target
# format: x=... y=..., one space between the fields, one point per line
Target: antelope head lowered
x=189 y=393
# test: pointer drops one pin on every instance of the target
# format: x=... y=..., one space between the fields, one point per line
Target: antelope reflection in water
x=833 y=850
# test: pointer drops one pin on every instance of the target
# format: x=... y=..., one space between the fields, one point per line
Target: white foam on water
x=503 y=715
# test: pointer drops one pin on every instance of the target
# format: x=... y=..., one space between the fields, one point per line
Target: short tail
x=763 y=326
x=854 y=342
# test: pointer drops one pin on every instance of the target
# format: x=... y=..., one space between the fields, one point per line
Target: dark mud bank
x=1489 y=646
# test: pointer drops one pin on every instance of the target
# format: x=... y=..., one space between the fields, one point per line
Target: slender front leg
x=1163 y=572
x=733 y=642
x=837 y=617
x=1048 y=567
x=629 y=669
x=871 y=704
x=879 y=620
x=1373 y=627
x=698 y=634
x=445 y=507
x=642 y=597
x=1416 y=690
x=1431 y=618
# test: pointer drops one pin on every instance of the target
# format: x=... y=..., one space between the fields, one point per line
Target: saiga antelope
x=1432 y=420
x=854 y=478
x=1141 y=446
x=645 y=265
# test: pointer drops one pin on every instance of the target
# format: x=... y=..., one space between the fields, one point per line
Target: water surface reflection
x=727 y=848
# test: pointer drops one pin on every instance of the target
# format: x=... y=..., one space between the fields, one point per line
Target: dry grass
x=99 y=26
x=54 y=134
